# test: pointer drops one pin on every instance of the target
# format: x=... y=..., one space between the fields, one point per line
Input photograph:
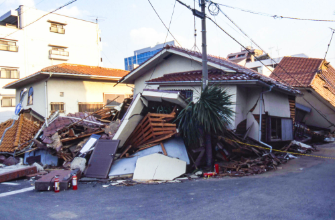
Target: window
x=231 y=57
x=7 y=73
x=275 y=128
x=8 y=102
x=8 y=45
x=30 y=96
x=59 y=51
x=279 y=129
x=188 y=94
x=109 y=97
x=57 y=106
x=90 y=106
x=241 y=55
x=57 y=28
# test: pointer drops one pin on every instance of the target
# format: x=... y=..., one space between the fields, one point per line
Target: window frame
x=61 y=51
x=269 y=129
x=30 y=95
x=9 y=44
x=6 y=69
x=11 y=98
x=57 y=103
x=80 y=106
x=57 y=28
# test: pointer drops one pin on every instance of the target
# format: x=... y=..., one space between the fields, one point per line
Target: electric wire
x=274 y=16
x=322 y=115
x=43 y=17
x=168 y=29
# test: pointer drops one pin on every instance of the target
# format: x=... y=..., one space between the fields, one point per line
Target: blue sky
x=132 y=24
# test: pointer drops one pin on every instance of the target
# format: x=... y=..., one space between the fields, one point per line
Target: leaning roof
x=67 y=70
x=219 y=62
x=297 y=71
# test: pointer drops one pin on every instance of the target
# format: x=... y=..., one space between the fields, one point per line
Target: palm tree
x=210 y=115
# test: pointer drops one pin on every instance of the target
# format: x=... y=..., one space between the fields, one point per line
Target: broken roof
x=309 y=73
x=213 y=61
x=68 y=70
x=297 y=69
x=17 y=136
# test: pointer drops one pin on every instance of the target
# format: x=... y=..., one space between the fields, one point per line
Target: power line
x=163 y=22
x=322 y=115
x=274 y=16
x=3 y=2
x=43 y=16
x=333 y=31
x=167 y=33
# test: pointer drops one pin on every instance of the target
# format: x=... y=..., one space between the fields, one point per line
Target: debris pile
x=298 y=147
x=244 y=156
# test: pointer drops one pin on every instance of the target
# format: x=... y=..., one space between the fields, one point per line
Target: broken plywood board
x=158 y=167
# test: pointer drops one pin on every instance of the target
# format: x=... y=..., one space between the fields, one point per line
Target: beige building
x=31 y=40
x=179 y=69
x=71 y=88
x=316 y=79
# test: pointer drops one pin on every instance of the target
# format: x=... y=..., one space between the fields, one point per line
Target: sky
x=132 y=24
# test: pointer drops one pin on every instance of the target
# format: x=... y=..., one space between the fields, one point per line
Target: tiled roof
x=225 y=63
x=310 y=72
x=62 y=122
x=301 y=69
x=17 y=136
x=196 y=76
x=85 y=70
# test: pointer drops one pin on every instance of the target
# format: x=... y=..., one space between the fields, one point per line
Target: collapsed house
x=264 y=108
x=315 y=79
x=139 y=139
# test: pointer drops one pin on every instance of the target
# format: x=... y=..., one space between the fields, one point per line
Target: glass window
x=30 y=96
x=9 y=74
x=8 y=102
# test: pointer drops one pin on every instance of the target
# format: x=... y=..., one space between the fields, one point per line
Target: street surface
x=303 y=189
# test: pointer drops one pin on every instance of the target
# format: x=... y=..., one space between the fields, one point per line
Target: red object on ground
x=217 y=168
x=56 y=184
x=209 y=174
x=14 y=174
x=74 y=182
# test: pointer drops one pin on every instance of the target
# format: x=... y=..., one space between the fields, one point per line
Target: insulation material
x=175 y=148
x=158 y=167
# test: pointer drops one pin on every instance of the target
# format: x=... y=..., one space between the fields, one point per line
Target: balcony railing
x=57 y=30
x=60 y=53
x=8 y=47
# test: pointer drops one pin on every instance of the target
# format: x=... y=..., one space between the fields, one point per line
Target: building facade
x=31 y=40
x=142 y=55
x=252 y=93
x=71 y=88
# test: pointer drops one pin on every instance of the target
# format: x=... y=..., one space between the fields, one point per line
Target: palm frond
x=212 y=114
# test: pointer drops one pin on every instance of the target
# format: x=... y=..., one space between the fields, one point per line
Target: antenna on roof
x=97 y=19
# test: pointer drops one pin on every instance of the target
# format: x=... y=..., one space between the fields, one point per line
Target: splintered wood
x=153 y=129
x=247 y=160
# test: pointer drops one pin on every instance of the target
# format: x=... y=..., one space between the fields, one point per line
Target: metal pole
x=204 y=47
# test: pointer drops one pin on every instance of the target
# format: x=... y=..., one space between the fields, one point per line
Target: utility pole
x=204 y=46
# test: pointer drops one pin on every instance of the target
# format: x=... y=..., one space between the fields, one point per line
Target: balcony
x=58 y=55
x=57 y=30
x=11 y=48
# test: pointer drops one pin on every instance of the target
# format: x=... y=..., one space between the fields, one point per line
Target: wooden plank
x=125 y=151
x=163 y=148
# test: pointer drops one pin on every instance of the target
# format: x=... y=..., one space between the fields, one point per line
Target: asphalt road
x=302 y=189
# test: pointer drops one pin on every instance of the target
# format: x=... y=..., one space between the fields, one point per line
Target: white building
x=71 y=88
x=179 y=69
x=30 y=42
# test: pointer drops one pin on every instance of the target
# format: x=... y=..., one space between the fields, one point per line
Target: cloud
x=149 y=37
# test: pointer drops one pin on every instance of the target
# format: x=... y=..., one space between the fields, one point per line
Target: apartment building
x=31 y=40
